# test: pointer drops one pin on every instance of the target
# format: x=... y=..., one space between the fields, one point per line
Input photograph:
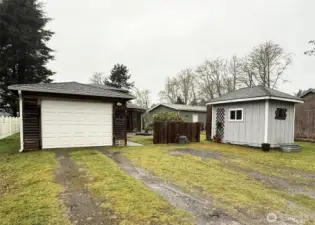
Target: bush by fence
x=168 y=132
x=9 y=126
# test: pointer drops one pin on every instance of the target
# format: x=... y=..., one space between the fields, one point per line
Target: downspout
x=21 y=121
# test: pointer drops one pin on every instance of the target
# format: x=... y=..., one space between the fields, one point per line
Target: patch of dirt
x=202 y=210
x=82 y=209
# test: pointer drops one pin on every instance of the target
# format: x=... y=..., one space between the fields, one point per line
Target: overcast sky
x=158 y=38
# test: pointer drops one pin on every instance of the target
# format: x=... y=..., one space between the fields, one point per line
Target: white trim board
x=266 y=121
x=236 y=120
x=255 y=99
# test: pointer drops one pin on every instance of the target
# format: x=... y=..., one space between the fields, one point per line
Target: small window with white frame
x=236 y=115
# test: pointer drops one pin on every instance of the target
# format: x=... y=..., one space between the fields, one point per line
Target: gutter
x=21 y=121
x=254 y=99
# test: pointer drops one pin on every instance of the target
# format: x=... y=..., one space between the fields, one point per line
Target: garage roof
x=73 y=88
x=254 y=93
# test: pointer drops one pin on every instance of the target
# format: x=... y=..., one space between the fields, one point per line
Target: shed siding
x=188 y=115
x=280 y=131
x=250 y=131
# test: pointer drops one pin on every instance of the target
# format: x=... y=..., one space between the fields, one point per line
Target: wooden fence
x=9 y=126
x=168 y=132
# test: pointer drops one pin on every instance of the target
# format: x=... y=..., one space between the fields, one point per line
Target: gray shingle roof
x=109 y=87
x=134 y=106
x=311 y=90
x=182 y=107
x=72 y=88
x=254 y=92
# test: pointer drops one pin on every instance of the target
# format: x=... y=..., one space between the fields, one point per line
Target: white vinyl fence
x=9 y=126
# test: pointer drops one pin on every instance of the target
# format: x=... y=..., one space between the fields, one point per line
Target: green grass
x=220 y=183
x=235 y=189
x=27 y=190
x=131 y=201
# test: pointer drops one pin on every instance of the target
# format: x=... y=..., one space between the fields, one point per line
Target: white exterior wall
x=280 y=131
x=250 y=131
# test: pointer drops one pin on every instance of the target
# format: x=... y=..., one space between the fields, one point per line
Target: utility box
x=182 y=140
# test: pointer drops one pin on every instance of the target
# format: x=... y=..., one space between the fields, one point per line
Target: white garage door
x=76 y=123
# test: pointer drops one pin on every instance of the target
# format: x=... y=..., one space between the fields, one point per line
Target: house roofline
x=167 y=106
x=311 y=90
x=255 y=99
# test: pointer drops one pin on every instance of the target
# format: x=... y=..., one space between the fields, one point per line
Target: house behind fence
x=168 y=132
x=9 y=126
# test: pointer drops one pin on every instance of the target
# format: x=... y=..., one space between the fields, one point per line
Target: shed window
x=236 y=114
x=281 y=114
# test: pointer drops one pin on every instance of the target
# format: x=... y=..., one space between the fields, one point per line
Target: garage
x=76 y=124
x=71 y=114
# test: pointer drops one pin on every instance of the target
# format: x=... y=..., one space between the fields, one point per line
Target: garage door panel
x=75 y=124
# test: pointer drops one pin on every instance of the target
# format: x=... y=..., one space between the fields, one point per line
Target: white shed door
x=76 y=124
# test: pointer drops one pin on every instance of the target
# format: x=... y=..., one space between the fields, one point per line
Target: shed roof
x=134 y=106
x=182 y=107
x=73 y=88
x=311 y=90
x=254 y=93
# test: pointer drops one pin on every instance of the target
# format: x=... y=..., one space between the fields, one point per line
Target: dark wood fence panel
x=168 y=132
x=305 y=119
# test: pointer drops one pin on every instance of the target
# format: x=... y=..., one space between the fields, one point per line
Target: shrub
x=168 y=117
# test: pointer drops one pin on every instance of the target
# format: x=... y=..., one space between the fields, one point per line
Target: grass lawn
x=130 y=200
x=235 y=179
x=229 y=187
x=28 y=192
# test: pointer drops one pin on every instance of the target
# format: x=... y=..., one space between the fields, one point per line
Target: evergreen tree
x=179 y=100
x=23 y=50
x=119 y=77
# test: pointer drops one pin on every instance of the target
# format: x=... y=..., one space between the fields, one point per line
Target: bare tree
x=218 y=71
x=170 y=92
x=205 y=81
x=142 y=97
x=247 y=76
x=185 y=80
x=269 y=61
x=235 y=69
x=97 y=78
x=311 y=52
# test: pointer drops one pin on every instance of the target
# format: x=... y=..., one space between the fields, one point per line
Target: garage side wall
x=250 y=131
x=120 y=124
x=280 y=131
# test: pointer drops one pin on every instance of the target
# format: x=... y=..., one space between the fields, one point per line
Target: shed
x=255 y=115
x=134 y=117
x=71 y=114
x=305 y=117
x=189 y=112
